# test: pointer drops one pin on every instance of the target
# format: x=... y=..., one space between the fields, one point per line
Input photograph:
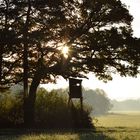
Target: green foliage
x=98 y=34
x=52 y=110
x=11 y=112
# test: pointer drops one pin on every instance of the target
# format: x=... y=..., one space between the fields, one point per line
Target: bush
x=11 y=112
x=52 y=111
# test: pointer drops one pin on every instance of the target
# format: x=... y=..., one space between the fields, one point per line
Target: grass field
x=114 y=126
x=120 y=125
x=120 y=119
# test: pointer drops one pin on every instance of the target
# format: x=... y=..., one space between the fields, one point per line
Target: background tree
x=99 y=101
x=97 y=33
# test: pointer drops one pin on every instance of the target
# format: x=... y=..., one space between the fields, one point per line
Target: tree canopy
x=98 y=34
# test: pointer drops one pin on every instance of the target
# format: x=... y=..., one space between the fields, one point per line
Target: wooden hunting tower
x=75 y=90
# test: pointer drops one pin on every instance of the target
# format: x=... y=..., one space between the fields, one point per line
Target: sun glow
x=65 y=51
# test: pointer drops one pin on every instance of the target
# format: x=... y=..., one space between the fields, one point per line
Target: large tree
x=98 y=34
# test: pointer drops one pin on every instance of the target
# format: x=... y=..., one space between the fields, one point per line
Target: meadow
x=120 y=125
x=114 y=126
x=120 y=119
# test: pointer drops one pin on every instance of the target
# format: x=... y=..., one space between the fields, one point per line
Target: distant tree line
x=126 y=105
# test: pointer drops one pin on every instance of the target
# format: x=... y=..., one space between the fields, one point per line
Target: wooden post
x=81 y=101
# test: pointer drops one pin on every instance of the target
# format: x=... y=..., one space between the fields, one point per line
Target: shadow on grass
x=37 y=134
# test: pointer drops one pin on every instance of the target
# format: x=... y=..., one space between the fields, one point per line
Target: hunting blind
x=75 y=90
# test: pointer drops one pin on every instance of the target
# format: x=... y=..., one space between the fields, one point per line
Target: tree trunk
x=25 y=61
x=1 y=57
x=29 y=108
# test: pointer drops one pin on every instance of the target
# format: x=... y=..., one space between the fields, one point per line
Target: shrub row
x=51 y=111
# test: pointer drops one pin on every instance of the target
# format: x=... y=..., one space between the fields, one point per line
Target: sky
x=120 y=88
x=134 y=9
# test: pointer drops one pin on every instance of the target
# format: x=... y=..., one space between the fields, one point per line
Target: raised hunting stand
x=75 y=90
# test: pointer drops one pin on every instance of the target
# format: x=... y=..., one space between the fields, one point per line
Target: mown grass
x=120 y=126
